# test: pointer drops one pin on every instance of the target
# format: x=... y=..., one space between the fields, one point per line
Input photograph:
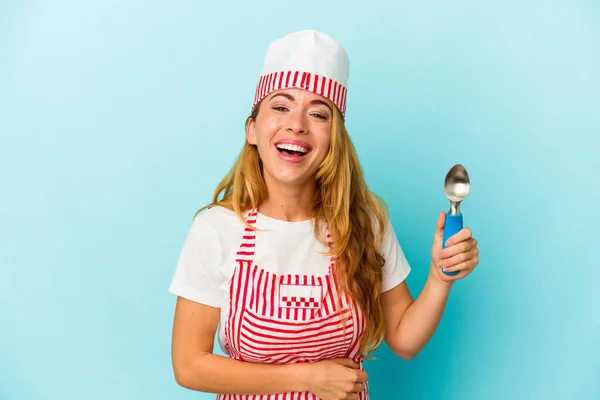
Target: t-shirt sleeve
x=196 y=274
x=396 y=267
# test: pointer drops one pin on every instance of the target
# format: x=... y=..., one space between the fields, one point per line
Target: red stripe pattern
x=333 y=90
x=288 y=318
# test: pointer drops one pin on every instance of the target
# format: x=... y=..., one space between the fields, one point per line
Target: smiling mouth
x=292 y=153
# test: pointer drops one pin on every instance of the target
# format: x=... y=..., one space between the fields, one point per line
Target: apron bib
x=288 y=318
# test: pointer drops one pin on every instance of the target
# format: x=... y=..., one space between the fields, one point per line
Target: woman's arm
x=197 y=368
x=409 y=324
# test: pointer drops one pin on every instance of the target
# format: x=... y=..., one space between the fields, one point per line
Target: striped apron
x=288 y=318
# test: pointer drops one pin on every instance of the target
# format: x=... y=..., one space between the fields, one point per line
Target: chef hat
x=308 y=60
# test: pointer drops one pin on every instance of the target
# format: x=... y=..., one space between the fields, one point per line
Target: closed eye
x=320 y=116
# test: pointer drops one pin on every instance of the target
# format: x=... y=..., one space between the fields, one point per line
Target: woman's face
x=292 y=134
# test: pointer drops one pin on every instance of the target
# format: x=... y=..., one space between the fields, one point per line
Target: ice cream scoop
x=456 y=187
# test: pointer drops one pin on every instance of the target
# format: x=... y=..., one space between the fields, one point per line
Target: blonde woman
x=295 y=265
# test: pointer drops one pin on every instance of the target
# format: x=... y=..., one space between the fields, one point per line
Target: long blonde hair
x=356 y=218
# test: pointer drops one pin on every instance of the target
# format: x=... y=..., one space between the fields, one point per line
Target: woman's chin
x=292 y=179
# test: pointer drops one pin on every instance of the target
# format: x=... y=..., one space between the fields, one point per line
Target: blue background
x=118 y=119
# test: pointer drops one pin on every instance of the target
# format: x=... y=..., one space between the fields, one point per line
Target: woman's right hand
x=335 y=379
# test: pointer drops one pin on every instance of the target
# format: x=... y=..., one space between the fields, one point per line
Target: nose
x=297 y=122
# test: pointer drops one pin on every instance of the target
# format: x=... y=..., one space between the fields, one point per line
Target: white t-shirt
x=207 y=260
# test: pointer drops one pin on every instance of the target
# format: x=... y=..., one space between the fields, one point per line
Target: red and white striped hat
x=308 y=60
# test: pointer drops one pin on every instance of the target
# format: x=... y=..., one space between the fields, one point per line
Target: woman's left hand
x=461 y=253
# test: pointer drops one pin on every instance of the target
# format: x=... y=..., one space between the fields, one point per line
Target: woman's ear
x=250 y=131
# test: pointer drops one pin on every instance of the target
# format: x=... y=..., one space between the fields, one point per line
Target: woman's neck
x=288 y=203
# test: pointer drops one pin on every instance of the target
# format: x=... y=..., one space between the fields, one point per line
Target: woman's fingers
x=458 y=248
x=459 y=259
x=362 y=377
x=460 y=236
x=468 y=265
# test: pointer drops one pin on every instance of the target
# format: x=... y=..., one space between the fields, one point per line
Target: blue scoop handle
x=453 y=224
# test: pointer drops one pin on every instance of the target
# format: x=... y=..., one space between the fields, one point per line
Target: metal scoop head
x=456 y=187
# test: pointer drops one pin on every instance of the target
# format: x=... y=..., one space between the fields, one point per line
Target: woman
x=295 y=262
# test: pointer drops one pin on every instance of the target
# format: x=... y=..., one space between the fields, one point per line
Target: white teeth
x=292 y=147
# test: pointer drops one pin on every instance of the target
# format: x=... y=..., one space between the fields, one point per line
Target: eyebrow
x=291 y=98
